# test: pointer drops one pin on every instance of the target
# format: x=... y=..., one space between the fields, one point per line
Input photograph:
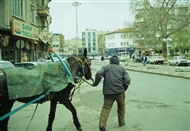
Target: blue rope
x=21 y=107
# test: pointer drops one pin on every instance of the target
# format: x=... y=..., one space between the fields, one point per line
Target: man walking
x=116 y=82
x=144 y=59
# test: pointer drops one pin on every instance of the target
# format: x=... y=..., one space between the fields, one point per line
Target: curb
x=159 y=73
x=151 y=70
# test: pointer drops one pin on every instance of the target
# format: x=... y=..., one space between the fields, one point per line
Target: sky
x=102 y=15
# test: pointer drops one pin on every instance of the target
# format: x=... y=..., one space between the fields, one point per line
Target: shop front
x=115 y=51
x=21 y=44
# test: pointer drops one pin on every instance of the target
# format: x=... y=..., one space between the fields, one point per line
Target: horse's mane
x=74 y=64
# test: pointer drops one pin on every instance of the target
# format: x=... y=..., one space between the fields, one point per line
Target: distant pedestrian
x=116 y=82
x=144 y=59
x=133 y=57
x=102 y=58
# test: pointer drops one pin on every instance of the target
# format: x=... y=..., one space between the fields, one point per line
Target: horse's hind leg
x=70 y=106
x=5 y=107
x=53 y=105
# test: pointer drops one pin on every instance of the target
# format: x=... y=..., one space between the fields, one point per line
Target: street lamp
x=167 y=40
x=76 y=3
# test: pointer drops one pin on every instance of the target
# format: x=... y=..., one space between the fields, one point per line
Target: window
x=89 y=34
x=32 y=14
x=17 y=6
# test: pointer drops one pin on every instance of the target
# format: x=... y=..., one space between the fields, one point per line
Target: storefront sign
x=45 y=35
x=22 y=29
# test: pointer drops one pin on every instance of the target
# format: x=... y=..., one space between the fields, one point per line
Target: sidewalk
x=182 y=72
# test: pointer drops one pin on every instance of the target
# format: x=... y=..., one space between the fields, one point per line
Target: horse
x=79 y=67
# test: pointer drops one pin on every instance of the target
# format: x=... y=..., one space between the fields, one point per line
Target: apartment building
x=70 y=45
x=58 y=43
x=24 y=34
x=90 y=41
x=120 y=40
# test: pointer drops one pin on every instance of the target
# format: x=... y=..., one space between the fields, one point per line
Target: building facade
x=21 y=28
x=58 y=43
x=70 y=46
x=120 y=40
x=90 y=41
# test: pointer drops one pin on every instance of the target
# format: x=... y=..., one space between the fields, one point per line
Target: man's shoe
x=121 y=124
x=102 y=128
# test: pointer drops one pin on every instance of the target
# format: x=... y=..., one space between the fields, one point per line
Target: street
x=153 y=103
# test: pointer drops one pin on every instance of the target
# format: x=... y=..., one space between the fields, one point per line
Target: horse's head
x=80 y=65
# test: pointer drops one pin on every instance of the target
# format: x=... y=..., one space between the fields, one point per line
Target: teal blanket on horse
x=23 y=82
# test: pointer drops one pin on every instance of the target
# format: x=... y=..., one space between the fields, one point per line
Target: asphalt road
x=153 y=103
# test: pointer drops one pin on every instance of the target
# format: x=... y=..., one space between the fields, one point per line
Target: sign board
x=45 y=35
x=22 y=29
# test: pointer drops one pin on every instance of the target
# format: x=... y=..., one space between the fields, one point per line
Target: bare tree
x=160 y=19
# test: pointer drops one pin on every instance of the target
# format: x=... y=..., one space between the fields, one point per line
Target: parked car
x=28 y=64
x=137 y=58
x=188 y=62
x=178 y=61
x=124 y=57
x=108 y=57
x=155 y=59
x=6 y=64
x=148 y=59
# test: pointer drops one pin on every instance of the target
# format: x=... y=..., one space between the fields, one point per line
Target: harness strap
x=21 y=107
x=32 y=117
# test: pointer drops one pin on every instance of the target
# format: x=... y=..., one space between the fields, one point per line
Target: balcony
x=43 y=12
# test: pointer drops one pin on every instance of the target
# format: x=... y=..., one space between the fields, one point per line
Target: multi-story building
x=21 y=22
x=120 y=40
x=70 y=45
x=90 y=41
x=58 y=43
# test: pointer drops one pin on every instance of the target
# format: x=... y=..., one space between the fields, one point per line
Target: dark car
x=137 y=59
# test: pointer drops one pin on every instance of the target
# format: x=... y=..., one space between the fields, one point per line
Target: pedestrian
x=133 y=56
x=102 y=58
x=116 y=82
x=144 y=59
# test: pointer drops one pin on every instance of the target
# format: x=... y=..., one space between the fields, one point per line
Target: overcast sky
x=106 y=15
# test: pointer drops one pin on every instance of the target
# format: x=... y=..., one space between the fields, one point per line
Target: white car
x=178 y=60
x=6 y=64
x=155 y=59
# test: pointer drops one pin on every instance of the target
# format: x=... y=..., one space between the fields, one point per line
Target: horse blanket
x=23 y=82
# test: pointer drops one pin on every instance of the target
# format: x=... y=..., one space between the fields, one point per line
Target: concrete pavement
x=182 y=72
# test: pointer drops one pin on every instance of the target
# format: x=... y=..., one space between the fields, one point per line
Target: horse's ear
x=85 y=53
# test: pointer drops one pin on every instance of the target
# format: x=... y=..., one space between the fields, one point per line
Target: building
x=90 y=41
x=120 y=40
x=58 y=43
x=22 y=32
x=70 y=45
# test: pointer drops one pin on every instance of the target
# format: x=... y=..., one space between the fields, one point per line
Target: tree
x=160 y=19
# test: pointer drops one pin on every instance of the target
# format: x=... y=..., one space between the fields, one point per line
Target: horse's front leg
x=53 y=105
x=70 y=106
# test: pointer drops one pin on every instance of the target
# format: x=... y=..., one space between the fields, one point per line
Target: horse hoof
x=79 y=128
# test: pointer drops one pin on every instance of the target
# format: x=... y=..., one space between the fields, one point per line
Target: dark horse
x=79 y=65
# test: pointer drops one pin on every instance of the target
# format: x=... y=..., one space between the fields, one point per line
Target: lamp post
x=167 y=40
x=76 y=3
